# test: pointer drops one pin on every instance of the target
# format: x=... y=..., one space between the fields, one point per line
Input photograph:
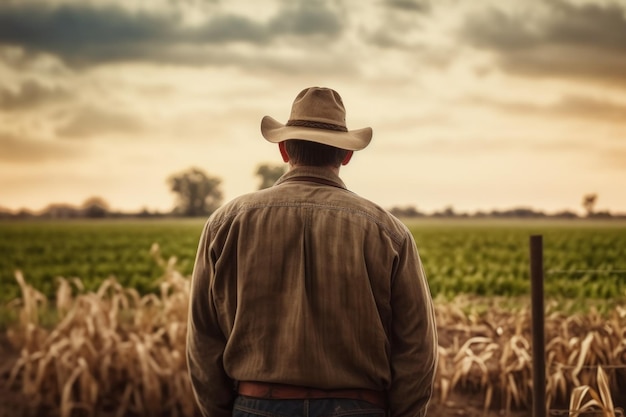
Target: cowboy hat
x=317 y=115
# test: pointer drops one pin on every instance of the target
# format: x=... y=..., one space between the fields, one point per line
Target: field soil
x=467 y=405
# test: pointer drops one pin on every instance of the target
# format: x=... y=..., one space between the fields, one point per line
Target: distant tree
x=605 y=214
x=24 y=213
x=95 y=207
x=408 y=211
x=145 y=212
x=198 y=193
x=5 y=213
x=448 y=211
x=269 y=174
x=566 y=214
x=519 y=212
x=60 y=211
x=589 y=203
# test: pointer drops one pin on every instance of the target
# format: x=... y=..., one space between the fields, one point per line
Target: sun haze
x=475 y=105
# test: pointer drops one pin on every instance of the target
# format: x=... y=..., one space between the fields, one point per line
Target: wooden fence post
x=537 y=326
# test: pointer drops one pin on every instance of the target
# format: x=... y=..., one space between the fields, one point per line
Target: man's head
x=317 y=115
x=306 y=153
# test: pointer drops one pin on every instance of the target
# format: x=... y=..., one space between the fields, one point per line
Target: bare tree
x=589 y=203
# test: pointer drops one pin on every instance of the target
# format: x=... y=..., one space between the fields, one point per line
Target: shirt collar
x=324 y=175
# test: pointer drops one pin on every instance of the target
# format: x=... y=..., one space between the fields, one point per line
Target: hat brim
x=352 y=140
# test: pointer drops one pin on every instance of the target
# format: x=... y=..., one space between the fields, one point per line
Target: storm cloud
x=409 y=5
x=86 y=35
x=553 y=39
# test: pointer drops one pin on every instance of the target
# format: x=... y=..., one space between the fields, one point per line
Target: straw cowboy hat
x=317 y=115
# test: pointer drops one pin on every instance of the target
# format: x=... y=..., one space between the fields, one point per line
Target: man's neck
x=333 y=169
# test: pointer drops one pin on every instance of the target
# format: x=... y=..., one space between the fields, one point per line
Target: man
x=307 y=299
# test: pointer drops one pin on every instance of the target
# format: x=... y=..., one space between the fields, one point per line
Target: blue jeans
x=328 y=407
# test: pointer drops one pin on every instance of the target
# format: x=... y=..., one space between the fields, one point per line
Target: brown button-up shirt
x=306 y=283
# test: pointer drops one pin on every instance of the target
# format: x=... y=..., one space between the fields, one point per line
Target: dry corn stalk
x=599 y=400
x=111 y=350
x=576 y=346
x=116 y=350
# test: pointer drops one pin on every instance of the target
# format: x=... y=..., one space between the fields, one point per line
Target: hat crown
x=319 y=104
x=317 y=115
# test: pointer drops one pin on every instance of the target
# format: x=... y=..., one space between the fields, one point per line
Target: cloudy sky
x=476 y=105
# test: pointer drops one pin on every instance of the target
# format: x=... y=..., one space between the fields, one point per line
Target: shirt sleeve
x=414 y=336
x=212 y=387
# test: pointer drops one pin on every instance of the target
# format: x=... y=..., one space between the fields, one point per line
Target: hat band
x=317 y=125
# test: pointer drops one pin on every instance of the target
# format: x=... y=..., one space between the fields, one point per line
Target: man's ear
x=347 y=158
x=283 y=151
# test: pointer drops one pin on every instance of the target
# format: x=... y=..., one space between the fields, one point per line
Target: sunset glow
x=474 y=105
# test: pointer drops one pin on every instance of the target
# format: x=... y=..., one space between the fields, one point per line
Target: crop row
x=487 y=258
x=490 y=258
x=93 y=251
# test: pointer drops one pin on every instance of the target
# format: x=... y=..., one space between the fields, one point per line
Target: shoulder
x=379 y=215
x=324 y=198
x=235 y=206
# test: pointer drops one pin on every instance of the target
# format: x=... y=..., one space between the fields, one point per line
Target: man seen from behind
x=307 y=299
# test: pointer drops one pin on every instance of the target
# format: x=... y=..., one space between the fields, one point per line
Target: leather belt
x=292 y=392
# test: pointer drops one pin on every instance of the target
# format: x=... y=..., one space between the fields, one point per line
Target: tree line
x=588 y=203
x=198 y=194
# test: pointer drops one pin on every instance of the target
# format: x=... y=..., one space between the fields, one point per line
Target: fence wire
x=586 y=271
x=538 y=274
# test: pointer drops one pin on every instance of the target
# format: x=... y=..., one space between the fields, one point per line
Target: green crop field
x=112 y=349
x=92 y=251
x=583 y=259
